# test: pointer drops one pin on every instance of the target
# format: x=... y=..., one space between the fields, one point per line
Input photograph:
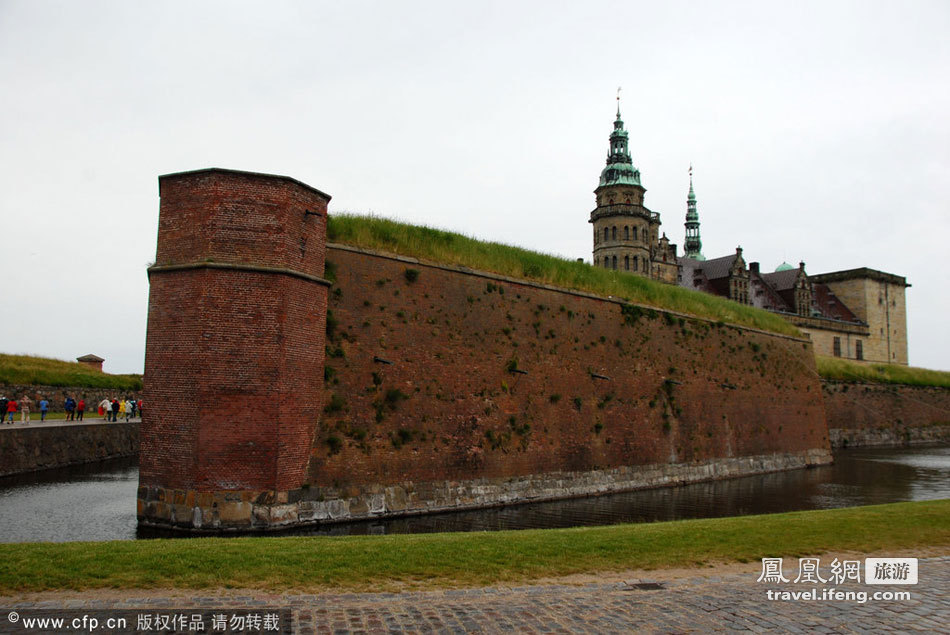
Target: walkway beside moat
x=722 y=598
x=35 y=422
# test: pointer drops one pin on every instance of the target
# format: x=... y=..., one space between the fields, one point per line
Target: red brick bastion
x=404 y=387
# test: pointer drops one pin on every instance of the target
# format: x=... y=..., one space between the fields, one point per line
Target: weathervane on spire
x=618 y=101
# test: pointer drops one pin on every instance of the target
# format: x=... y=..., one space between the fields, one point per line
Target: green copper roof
x=620 y=174
x=693 y=245
x=783 y=267
x=619 y=169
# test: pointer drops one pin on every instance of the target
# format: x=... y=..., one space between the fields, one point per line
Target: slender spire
x=693 y=245
x=619 y=170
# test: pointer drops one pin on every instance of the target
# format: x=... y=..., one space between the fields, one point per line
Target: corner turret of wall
x=235 y=340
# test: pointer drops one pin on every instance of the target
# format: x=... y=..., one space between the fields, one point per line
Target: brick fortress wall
x=495 y=378
x=883 y=414
x=442 y=388
x=234 y=349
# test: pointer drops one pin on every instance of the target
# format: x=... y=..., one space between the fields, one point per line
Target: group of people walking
x=109 y=409
x=9 y=407
x=74 y=409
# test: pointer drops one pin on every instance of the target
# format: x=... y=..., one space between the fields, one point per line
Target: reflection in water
x=94 y=501
x=100 y=505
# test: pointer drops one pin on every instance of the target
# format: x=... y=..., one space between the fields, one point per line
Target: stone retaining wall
x=888 y=437
x=242 y=511
x=32 y=448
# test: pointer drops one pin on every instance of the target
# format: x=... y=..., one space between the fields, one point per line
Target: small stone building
x=93 y=361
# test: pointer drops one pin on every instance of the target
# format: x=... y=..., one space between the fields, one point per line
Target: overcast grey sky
x=818 y=131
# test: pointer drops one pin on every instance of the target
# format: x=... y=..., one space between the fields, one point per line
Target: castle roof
x=863 y=272
x=711 y=269
x=619 y=169
x=782 y=280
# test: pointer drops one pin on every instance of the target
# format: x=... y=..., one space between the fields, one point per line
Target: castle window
x=626 y=232
x=615 y=263
x=614 y=233
x=636 y=264
x=858 y=349
x=626 y=263
x=606 y=234
x=634 y=233
x=837 y=347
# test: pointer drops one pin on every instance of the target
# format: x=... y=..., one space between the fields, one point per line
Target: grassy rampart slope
x=42 y=371
x=465 y=559
x=450 y=248
x=838 y=369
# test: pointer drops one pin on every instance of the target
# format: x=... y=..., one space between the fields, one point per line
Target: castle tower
x=234 y=348
x=625 y=232
x=802 y=292
x=739 y=280
x=693 y=245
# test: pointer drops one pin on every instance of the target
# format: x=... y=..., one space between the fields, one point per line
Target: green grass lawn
x=27 y=369
x=464 y=559
x=446 y=247
x=845 y=370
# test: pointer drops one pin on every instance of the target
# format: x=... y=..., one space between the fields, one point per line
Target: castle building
x=626 y=233
x=858 y=314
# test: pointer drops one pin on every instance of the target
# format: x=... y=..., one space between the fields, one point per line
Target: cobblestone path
x=732 y=602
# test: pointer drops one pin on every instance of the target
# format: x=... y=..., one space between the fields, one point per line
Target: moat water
x=97 y=501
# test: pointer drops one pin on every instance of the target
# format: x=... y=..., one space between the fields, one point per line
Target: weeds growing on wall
x=444 y=247
x=42 y=371
x=844 y=370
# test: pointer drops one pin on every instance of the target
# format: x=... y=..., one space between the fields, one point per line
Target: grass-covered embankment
x=450 y=248
x=465 y=559
x=838 y=369
x=42 y=371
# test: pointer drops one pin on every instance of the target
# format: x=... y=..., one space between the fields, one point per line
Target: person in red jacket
x=81 y=407
x=11 y=409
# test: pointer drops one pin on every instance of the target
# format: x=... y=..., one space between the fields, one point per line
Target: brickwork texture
x=484 y=377
x=234 y=350
x=273 y=399
x=881 y=414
